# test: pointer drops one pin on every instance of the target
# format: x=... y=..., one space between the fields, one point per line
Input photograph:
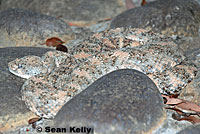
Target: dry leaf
x=53 y=42
x=189 y=106
x=61 y=48
x=192 y=119
x=171 y=100
x=185 y=110
x=34 y=120
x=143 y=2
x=72 y=24
x=183 y=104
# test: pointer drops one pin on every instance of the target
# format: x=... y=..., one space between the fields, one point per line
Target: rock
x=172 y=17
x=78 y=10
x=191 y=48
x=13 y=111
x=123 y=101
x=192 y=91
x=20 y=27
x=86 y=31
x=191 y=130
x=171 y=126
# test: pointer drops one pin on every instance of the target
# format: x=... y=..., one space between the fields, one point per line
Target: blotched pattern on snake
x=54 y=78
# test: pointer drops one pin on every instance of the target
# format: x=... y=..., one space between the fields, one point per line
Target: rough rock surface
x=20 y=27
x=191 y=130
x=191 y=48
x=82 y=32
x=13 y=111
x=171 y=126
x=192 y=91
x=78 y=10
x=119 y=102
x=172 y=17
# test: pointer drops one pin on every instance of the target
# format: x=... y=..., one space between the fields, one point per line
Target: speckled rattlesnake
x=56 y=77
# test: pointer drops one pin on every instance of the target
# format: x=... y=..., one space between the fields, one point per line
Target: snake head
x=26 y=67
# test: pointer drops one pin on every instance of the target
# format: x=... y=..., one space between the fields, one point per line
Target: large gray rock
x=172 y=17
x=121 y=102
x=71 y=10
x=191 y=130
x=20 y=27
x=191 y=48
x=13 y=111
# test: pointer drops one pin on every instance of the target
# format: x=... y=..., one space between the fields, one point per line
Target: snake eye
x=19 y=66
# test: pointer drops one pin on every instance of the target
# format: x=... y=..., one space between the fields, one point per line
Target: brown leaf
x=72 y=24
x=143 y=2
x=192 y=119
x=180 y=115
x=62 y=48
x=186 y=105
x=174 y=95
x=175 y=109
x=185 y=110
x=183 y=104
x=171 y=100
x=33 y=120
x=53 y=42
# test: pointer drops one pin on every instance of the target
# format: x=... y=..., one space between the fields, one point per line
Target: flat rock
x=13 y=111
x=71 y=10
x=191 y=130
x=124 y=101
x=172 y=17
x=20 y=27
